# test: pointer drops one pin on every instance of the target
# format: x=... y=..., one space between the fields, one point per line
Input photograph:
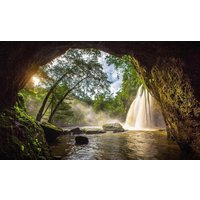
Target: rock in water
x=51 y=131
x=115 y=127
x=76 y=131
x=66 y=132
x=90 y=131
x=79 y=140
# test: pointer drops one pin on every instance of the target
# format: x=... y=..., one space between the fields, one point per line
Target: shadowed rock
x=80 y=140
x=51 y=131
x=75 y=131
x=66 y=132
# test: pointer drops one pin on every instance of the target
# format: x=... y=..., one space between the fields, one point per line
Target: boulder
x=115 y=127
x=51 y=131
x=93 y=131
x=75 y=131
x=66 y=132
x=80 y=140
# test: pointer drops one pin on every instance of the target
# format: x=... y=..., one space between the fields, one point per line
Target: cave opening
x=108 y=89
x=163 y=66
x=92 y=109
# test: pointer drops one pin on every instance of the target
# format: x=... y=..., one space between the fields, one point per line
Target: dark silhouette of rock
x=80 y=140
x=75 y=131
x=66 y=132
x=51 y=132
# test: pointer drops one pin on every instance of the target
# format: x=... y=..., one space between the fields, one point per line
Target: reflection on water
x=119 y=146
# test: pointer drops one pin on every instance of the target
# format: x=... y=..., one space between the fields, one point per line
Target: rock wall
x=170 y=84
x=21 y=137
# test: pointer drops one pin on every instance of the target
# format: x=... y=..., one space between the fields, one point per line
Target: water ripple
x=131 y=145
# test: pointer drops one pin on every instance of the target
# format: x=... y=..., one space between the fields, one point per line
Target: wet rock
x=115 y=127
x=91 y=131
x=80 y=140
x=66 y=132
x=51 y=131
x=75 y=131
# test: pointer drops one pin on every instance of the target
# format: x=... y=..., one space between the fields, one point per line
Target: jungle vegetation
x=79 y=76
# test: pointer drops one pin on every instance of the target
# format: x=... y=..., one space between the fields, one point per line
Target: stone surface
x=115 y=127
x=173 y=90
x=66 y=132
x=51 y=131
x=75 y=131
x=80 y=140
x=21 y=137
x=90 y=131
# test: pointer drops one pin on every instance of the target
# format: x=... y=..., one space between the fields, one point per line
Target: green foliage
x=22 y=147
x=118 y=106
x=33 y=97
x=78 y=64
x=76 y=74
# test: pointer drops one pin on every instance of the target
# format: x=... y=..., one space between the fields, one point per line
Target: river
x=131 y=145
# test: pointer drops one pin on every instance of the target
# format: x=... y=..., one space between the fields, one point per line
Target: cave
x=169 y=69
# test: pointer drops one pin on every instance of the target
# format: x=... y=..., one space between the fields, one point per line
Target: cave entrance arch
x=170 y=70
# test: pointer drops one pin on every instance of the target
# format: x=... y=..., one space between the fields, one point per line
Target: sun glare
x=36 y=81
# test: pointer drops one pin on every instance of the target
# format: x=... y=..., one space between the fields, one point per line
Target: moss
x=51 y=126
x=21 y=137
x=93 y=131
x=20 y=103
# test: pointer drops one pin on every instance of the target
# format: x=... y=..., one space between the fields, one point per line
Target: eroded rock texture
x=170 y=69
x=171 y=86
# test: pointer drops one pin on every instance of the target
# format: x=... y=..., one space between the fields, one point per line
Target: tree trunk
x=41 y=110
x=47 y=107
x=62 y=99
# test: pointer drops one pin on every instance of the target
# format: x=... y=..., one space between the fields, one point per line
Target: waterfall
x=143 y=112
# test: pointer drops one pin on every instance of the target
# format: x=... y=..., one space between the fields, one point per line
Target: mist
x=87 y=115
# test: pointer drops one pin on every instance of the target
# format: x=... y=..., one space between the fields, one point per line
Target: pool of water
x=131 y=145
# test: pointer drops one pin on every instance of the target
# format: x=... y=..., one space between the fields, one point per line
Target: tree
x=118 y=106
x=62 y=99
x=77 y=70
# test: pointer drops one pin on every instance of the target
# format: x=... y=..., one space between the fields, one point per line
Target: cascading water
x=142 y=113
